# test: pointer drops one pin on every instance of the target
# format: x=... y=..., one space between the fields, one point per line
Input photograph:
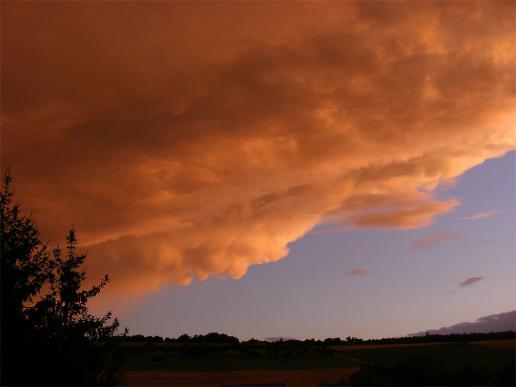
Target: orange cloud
x=194 y=139
x=408 y=217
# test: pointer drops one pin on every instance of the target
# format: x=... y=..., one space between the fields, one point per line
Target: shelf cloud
x=185 y=147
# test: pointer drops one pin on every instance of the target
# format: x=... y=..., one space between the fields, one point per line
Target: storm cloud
x=195 y=139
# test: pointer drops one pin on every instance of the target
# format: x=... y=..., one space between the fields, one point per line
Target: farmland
x=299 y=377
x=301 y=363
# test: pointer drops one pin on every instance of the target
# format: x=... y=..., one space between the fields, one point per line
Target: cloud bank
x=493 y=323
x=195 y=139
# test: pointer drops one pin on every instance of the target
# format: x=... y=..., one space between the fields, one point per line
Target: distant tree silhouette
x=48 y=336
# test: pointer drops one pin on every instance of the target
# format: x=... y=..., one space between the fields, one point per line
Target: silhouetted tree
x=48 y=336
x=25 y=269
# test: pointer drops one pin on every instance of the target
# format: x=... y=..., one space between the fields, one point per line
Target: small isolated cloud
x=432 y=240
x=471 y=281
x=480 y=215
x=357 y=272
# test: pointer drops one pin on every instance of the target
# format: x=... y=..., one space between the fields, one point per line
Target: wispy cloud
x=356 y=272
x=480 y=215
x=471 y=281
x=433 y=240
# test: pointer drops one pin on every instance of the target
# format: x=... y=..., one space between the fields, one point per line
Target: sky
x=271 y=169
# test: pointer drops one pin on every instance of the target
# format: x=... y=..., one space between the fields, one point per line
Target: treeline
x=222 y=338
x=210 y=338
x=429 y=338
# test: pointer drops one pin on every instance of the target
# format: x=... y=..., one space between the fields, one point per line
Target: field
x=299 y=377
x=501 y=344
x=231 y=360
x=481 y=354
x=286 y=365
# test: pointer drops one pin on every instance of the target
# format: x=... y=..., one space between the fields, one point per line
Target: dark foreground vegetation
x=49 y=338
x=427 y=370
x=450 y=364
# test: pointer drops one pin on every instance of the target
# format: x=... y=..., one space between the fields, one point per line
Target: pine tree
x=25 y=269
x=48 y=335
